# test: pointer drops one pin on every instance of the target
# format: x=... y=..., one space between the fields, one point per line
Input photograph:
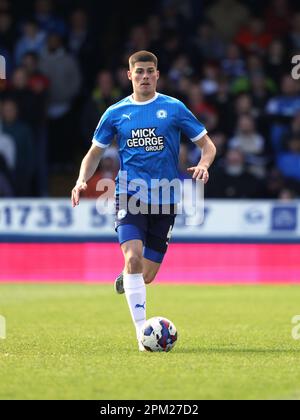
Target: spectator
x=254 y=38
x=252 y=144
x=181 y=67
x=294 y=35
x=239 y=106
x=183 y=88
x=81 y=45
x=104 y=95
x=173 y=17
x=138 y=39
x=22 y=137
x=261 y=91
x=78 y=32
x=7 y=32
x=287 y=195
x=232 y=180
x=202 y=108
x=221 y=143
x=277 y=62
x=154 y=29
x=63 y=73
x=274 y=184
x=278 y=17
x=123 y=82
x=288 y=103
x=37 y=82
x=38 y=85
x=223 y=103
x=6 y=186
x=210 y=79
x=169 y=50
x=292 y=131
x=46 y=18
x=108 y=169
x=233 y=64
x=255 y=68
x=236 y=16
x=289 y=162
x=20 y=92
x=32 y=40
x=207 y=45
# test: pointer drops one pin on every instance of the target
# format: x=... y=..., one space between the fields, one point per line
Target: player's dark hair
x=144 y=57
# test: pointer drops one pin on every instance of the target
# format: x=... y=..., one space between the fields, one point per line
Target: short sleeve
x=189 y=124
x=105 y=131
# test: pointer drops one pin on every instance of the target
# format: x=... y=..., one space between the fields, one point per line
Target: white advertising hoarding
x=234 y=219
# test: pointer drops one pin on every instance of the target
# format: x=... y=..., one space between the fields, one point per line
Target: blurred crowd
x=229 y=61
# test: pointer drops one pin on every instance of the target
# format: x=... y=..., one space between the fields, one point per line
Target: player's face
x=144 y=77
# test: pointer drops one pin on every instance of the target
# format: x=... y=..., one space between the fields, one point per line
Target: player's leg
x=128 y=227
x=133 y=256
x=150 y=270
x=154 y=251
x=156 y=245
x=133 y=280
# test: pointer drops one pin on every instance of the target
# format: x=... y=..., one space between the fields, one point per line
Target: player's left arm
x=200 y=172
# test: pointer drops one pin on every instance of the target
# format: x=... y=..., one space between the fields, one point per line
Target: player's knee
x=134 y=264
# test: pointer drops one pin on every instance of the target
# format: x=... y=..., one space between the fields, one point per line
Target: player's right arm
x=88 y=168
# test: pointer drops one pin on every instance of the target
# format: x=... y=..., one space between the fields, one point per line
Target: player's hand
x=200 y=173
x=79 y=187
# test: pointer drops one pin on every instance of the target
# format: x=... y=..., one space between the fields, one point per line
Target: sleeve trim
x=199 y=137
x=97 y=143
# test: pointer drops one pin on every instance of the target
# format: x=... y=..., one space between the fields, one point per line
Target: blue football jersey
x=148 y=136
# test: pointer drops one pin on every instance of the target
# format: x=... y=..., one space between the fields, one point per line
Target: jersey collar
x=144 y=103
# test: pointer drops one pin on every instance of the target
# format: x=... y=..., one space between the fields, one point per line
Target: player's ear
x=158 y=74
x=129 y=75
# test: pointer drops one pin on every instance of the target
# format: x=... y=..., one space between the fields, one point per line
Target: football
x=159 y=334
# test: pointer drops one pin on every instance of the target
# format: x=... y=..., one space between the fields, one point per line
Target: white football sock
x=135 y=291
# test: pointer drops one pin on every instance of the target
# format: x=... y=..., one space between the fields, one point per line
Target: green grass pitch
x=78 y=342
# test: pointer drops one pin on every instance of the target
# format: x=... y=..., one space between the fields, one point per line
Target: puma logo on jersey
x=128 y=116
